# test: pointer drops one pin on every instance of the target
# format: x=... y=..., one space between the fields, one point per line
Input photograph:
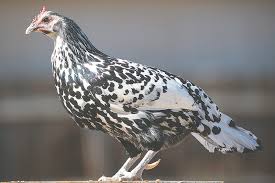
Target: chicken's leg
x=125 y=168
x=136 y=173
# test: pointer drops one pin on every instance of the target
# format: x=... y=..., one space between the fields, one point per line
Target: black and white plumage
x=144 y=108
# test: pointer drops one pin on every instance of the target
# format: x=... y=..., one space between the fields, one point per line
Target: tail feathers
x=230 y=138
x=209 y=144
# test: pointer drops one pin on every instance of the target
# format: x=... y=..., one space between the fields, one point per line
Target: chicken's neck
x=74 y=40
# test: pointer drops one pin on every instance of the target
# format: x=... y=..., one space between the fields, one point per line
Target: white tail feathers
x=229 y=138
x=206 y=142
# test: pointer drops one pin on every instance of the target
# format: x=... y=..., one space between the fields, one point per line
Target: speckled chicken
x=145 y=108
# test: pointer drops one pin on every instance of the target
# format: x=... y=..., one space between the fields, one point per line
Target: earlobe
x=57 y=26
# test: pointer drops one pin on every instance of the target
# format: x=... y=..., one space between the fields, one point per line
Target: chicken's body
x=144 y=108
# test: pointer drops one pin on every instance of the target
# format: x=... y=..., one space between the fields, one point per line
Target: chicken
x=145 y=108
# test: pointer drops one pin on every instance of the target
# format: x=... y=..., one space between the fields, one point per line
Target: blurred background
x=226 y=47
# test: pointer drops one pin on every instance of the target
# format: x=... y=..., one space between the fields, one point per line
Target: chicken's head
x=46 y=22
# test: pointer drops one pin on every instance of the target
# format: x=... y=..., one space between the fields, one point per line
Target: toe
x=129 y=176
x=109 y=179
x=102 y=178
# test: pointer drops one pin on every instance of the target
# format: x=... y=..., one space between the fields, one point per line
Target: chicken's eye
x=46 y=19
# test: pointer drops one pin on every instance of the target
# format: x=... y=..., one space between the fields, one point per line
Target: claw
x=152 y=165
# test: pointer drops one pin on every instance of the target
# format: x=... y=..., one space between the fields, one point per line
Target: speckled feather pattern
x=143 y=107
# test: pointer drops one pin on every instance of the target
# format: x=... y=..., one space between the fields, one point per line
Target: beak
x=31 y=28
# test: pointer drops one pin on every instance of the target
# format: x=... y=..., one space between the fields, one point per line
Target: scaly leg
x=136 y=173
x=125 y=167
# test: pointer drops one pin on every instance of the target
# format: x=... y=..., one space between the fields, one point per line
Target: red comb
x=43 y=9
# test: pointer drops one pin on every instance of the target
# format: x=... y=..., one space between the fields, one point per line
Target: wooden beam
x=91 y=181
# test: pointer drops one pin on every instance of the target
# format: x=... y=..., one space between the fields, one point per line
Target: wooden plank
x=91 y=181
